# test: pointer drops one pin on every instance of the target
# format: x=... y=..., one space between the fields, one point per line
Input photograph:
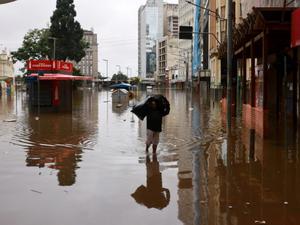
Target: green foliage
x=120 y=77
x=135 y=80
x=35 y=46
x=76 y=72
x=67 y=31
x=100 y=77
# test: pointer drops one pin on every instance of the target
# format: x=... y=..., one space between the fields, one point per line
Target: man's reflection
x=153 y=195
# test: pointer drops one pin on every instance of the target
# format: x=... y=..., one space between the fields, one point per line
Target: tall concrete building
x=167 y=47
x=150 y=29
x=186 y=18
x=89 y=64
x=171 y=20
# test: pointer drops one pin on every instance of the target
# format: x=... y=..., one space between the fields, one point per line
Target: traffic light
x=186 y=32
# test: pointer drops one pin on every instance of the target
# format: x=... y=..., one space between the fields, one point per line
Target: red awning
x=296 y=28
x=57 y=76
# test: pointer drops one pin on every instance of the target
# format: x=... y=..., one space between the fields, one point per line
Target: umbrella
x=121 y=86
x=151 y=199
x=141 y=109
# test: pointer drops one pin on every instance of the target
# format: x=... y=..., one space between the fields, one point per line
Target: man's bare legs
x=147 y=148
x=154 y=147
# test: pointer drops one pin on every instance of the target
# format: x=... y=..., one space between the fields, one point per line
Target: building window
x=147 y=29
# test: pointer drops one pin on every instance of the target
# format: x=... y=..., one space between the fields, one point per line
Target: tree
x=67 y=31
x=34 y=46
x=135 y=80
x=120 y=77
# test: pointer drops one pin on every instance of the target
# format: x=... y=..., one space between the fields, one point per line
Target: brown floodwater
x=90 y=166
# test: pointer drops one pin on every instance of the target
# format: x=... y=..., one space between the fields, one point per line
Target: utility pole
x=106 y=60
x=229 y=62
x=54 y=46
x=127 y=71
x=119 y=67
x=187 y=72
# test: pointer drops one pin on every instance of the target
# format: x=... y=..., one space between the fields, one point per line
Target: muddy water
x=90 y=167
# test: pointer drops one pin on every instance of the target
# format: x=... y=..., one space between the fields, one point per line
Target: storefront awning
x=49 y=76
x=275 y=19
x=295 y=28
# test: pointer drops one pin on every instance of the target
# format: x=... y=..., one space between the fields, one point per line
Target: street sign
x=186 y=32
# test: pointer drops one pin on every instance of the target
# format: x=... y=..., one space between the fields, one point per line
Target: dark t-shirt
x=154 y=120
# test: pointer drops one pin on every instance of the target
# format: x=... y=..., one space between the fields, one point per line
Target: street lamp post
x=128 y=68
x=106 y=60
x=54 y=46
x=204 y=8
x=119 y=67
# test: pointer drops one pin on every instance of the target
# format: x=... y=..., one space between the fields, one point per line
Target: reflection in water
x=62 y=159
x=119 y=107
x=153 y=195
x=242 y=179
x=57 y=140
x=214 y=179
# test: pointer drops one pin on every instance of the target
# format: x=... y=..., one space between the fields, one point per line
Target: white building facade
x=150 y=29
x=6 y=69
x=167 y=47
x=186 y=18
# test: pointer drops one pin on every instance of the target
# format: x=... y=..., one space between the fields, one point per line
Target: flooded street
x=90 y=167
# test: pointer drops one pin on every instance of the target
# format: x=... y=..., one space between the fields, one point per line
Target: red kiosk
x=50 y=84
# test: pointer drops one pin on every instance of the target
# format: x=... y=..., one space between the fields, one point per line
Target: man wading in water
x=154 y=122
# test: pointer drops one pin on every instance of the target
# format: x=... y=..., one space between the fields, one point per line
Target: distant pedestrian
x=154 y=124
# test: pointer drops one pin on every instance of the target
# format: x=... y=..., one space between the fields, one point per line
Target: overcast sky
x=115 y=22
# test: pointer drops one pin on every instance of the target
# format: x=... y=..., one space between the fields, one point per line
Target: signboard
x=64 y=66
x=49 y=65
x=295 y=28
x=35 y=65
